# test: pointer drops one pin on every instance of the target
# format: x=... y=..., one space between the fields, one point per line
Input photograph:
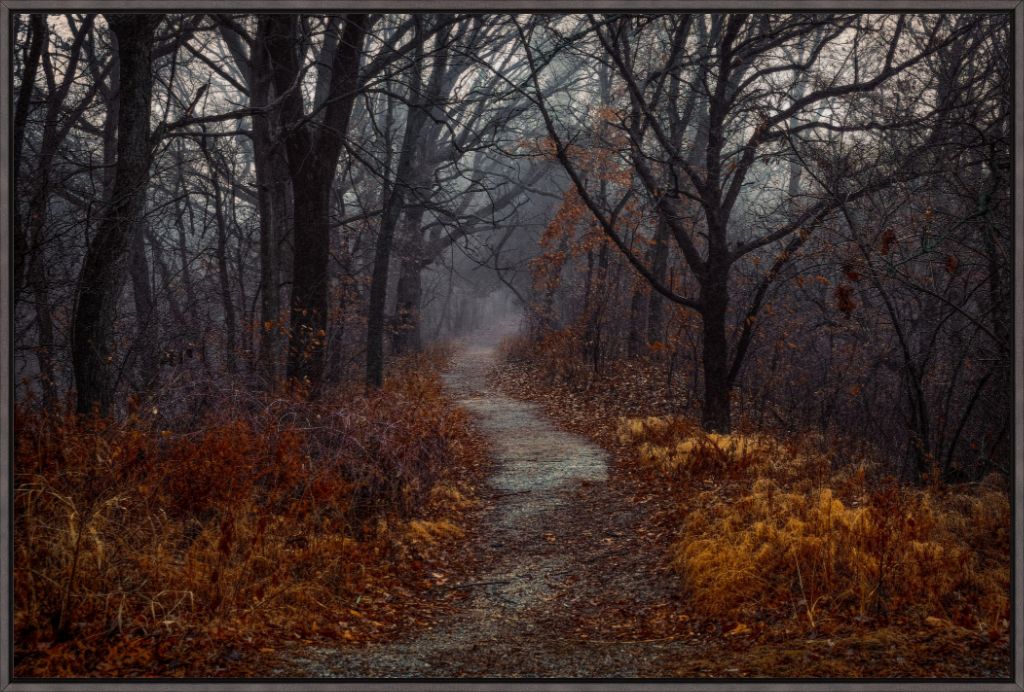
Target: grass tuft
x=136 y=540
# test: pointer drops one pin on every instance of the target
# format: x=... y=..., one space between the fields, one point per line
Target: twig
x=627 y=641
x=807 y=603
x=521 y=492
x=469 y=584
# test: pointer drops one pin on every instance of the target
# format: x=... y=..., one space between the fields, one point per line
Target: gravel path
x=549 y=540
x=575 y=581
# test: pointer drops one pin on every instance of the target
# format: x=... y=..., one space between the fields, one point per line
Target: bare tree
x=313 y=144
x=743 y=120
x=103 y=271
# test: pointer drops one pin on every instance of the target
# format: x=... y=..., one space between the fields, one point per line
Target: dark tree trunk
x=231 y=346
x=272 y=197
x=659 y=268
x=595 y=307
x=588 y=281
x=39 y=284
x=309 y=286
x=348 y=294
x=146 y=325
x=19 y=244
x=379 y=285
x=37 y=273
x=30 y=241
x=272 y=200
x=408 y=337
x=313 y=150
x=716 y=413
x=102 y=276
x=191 y=303
x=167 y=283
x=637 y=320
x=402 y=187
x=227 y=302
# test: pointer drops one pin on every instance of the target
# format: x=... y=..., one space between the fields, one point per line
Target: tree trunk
x=659 y=267
x=37 y=280
x=102 y=275
x=405 y=179
x=272 y=198
x=309 y=286
x=347 y=293
x=272 y=201
x=44 y=323
x=716 y=412
x=29 y=242
x=313 y=151
x=230 y=346
x=637 y=319
x=146 y=325
x=379 y=288
x=595 y=312
x=19 y=244
x=191 y=302
x=408 y=337
x=167 y=285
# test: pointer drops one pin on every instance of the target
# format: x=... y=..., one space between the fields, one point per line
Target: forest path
x=555 y=546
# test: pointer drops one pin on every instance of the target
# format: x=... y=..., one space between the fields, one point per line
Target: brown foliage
x=789 y=535
x=137 y=542
x=844 y=299
x=744 y=527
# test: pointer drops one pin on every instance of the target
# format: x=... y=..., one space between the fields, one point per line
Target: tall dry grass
x=137 y=541
x=773 y=529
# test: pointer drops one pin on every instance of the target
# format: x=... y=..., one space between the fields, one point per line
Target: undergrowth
x=141 y=542
x=792 y=531
x=772 y=528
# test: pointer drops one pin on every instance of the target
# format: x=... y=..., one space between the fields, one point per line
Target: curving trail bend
x=518 y=620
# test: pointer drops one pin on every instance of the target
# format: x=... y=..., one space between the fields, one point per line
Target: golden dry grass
x=779 y=531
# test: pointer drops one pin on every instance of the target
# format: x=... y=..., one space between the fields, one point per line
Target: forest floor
x=557 y=551
x=567 y=573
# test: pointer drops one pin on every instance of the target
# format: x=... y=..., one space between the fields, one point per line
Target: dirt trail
x=549 y=538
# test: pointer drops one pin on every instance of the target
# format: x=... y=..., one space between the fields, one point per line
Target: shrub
x=790 y=535
x=677 y=447
x=555 y=353
x=274 y=515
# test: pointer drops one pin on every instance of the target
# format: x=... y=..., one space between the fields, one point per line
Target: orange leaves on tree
x=844 y=299
x=887 y=240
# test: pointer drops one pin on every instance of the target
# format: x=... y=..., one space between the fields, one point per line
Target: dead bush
x=273 y=516
x=778 y=531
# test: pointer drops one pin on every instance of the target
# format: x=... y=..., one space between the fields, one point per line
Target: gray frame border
x=8 y=7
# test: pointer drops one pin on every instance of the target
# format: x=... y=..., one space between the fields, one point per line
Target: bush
x=789 y=535
x=678 y=448
x=276 y=515
x=555 y=353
